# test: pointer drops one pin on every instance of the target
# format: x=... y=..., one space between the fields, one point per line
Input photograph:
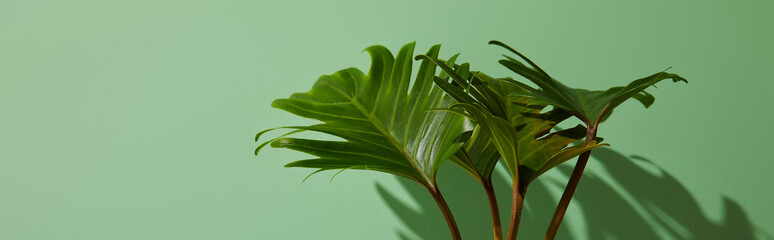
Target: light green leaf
x=387 y=124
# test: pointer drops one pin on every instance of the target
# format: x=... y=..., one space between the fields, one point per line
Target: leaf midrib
x=384 y=132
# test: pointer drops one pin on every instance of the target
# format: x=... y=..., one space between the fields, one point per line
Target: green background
x=135 y=119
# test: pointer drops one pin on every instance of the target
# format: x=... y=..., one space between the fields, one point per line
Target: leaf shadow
x=637 y=200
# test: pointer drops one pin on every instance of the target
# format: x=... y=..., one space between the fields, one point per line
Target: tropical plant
x=591 y=107
x=464 y=116
x=386 y=126
x=508 y=125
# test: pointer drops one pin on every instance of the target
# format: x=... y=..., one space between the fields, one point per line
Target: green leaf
x=591 y=107
x=502 y=135
x=387 y=123
x=533 y=172
x=508 y=126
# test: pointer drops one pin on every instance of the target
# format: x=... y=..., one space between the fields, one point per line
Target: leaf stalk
x=447 y=214
x=490 y=194
x=516 y=210
x=572 y=184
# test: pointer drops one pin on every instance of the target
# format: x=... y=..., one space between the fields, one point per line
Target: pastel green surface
x=135 y=119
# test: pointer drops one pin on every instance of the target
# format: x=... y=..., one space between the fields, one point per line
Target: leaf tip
x=494 y=42
x=313 y=173
x=337 y=173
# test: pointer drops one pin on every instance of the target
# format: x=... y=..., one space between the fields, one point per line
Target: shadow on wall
x=640 y=201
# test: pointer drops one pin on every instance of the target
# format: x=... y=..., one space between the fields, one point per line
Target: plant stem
x=490 y=194
x=572 y=184
x=455 y=232
x=518 y=205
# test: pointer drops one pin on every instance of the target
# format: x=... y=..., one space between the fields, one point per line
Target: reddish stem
x=572 y=184
x=496 y=225
x=447 y=214
x=518 y=205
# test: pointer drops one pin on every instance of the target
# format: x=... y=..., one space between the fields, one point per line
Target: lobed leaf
x=387 y=123
x=591 y=107
x=509 y=126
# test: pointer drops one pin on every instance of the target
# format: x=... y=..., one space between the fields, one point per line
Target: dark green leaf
x=511 y=127
x=590 y=106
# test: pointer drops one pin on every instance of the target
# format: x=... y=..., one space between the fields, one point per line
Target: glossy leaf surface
x=590 y=106
x=386 y=124
x=508 y=126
